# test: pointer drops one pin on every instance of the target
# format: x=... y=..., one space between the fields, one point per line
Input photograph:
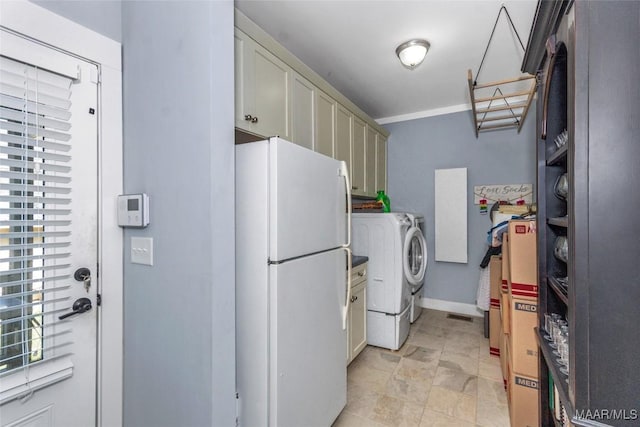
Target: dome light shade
x=412 y=53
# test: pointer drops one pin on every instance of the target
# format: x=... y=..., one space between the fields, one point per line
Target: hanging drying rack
x=506 y=107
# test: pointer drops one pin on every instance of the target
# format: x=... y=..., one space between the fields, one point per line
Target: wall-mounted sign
x=511 y=193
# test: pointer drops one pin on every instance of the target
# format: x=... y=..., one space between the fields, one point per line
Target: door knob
x=80 y=305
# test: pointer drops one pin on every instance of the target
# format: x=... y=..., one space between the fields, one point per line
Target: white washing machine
x=415 y=257
x=381 y=237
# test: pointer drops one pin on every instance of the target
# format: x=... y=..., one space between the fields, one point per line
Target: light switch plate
x=142 y=250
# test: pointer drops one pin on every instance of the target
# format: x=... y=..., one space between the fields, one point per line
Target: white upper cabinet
x=276 y=94
x=381 y=163
x=262 y=90
x=303 y=112
x=370 y=162
x=325 y=123
x=344 y=136
x=358 y=157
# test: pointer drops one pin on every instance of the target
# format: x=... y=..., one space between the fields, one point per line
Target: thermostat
x=133 y=210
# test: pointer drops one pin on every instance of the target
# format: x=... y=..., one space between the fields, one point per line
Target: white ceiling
x=352 y=45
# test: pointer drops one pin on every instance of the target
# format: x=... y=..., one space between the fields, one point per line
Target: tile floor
x=442 y=376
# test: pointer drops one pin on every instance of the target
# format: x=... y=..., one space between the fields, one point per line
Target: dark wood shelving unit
x=557 y=157
x=560 y=291
x=562 y=221
x=584 y=53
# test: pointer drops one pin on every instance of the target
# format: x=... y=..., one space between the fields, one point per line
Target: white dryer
x=415 y=257
x=381 y=237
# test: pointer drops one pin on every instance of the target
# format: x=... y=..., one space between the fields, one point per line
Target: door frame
x=45 y=27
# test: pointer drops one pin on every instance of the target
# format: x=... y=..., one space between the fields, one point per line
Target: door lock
x=83 y=274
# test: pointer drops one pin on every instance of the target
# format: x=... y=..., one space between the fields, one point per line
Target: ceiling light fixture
x=412 y=53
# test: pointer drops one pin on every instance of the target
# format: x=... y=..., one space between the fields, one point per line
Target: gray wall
x=102 y=16
x=178 y=148
x=178 y=132
x=418 y=147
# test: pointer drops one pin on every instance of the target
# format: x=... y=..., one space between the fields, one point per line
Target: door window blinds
x=35 y=223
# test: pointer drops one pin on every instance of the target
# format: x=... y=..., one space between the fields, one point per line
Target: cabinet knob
x=254 y=120
x=360 y=273
x=354 y=298
x=248 y=117
x=354 y=188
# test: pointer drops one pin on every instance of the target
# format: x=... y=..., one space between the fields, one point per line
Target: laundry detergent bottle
x=386 y=202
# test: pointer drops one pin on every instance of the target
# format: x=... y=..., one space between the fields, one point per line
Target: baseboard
x=451 y=307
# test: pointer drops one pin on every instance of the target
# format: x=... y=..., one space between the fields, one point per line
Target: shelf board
x=559 y=379
x=560 y=221
x=558 y=289
x=558 y=156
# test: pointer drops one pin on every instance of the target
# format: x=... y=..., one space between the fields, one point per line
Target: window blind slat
x=35 y=280
x=33 y=96
x=33 y=131
x=34 y=257
x=23 y=141
x=33 y=119
x=53 y=347
x=34 y=210
x=35 y=223
x=31 y=72
x=35 y=199
x=36 y=177
x=38 y=154
x=40 y=166
x=36 y=188
x=44 y=327
x=20 y=79
x=47 y=337
x=34 y=234
x=26 y=105
x=32 y=269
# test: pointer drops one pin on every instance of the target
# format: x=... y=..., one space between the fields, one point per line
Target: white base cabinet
x=357 y=319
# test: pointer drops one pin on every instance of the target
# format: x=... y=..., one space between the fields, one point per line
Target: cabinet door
x=302 y=112
x=358 y=317
x=344 y=136
x=325 y=123
x=370 y=162
x=381 y=163
x=262 y=90
x=357 y=159
x=272 y=105
x=243 y=87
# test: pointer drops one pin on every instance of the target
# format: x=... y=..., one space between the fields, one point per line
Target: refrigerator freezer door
x=307 y=345
x=307 y=202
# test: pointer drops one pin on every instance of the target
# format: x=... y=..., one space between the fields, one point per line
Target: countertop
x=356 y=260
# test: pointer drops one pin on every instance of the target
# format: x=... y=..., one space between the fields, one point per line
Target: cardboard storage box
x=523 y=400
x=495 y=330
x=504 y=356
x=523 y=347
x=495 y=275
x=505 y=263
x=505 y=308
x=523 y=265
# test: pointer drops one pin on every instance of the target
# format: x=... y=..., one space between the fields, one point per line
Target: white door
x=48 y=231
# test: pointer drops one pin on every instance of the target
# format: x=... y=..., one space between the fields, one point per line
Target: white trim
x=451 y=307
x=422 y=114
x=40 y=375
x=63 y=34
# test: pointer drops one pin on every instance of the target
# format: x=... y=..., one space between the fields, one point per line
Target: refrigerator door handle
x=345 y=308
x=347 y=182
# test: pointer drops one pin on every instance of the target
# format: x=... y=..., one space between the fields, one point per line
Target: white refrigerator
x=292 y=251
